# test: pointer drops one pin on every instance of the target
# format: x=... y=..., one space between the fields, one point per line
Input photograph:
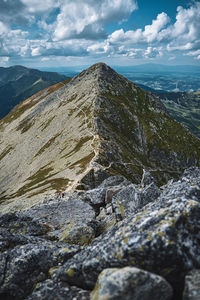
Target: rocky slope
x=17 y=83
x=77 y=133
x=117 y=241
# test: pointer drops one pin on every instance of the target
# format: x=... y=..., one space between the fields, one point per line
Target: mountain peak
x=77 y=133
x=98 y=69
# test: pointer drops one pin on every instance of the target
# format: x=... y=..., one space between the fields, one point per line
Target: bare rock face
x=77 y=133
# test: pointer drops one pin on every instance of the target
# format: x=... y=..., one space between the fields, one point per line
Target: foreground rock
x=51 y=290
x=130 y=283
x=163 y=238
x=192 y=286
x=61 y=246
x=68 y=219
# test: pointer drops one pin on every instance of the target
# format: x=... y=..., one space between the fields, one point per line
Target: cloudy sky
x=56 y=33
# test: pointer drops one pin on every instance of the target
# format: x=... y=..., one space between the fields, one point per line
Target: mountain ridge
x=77 y=133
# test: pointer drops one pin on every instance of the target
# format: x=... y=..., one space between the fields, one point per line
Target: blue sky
x=55 y=33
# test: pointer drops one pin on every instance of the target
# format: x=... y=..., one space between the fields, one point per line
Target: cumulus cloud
x=87 y=19
x=150 y=33
x=70 y=28
x=186 y=28
x=63 y=48
x=183 y=35
x=38 y=6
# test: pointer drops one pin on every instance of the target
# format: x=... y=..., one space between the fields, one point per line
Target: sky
x=59 y=33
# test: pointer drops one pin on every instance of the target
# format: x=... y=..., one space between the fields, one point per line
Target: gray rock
x=150 y=193
x=162 y=238
x=192 y=286
x=69 y=220
x=130 y=199
x=111 y=192
x=17 y=229
x=147 y=178
x=50 y=290
x=96 y=197
x=25 y=266
x=113 y=181
x=59 y=212
x=130 y=283
x=127 y=201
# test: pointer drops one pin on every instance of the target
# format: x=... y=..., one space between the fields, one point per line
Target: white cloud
x=3 y=28
x=130 y=36
x=78 y=28
x=185 y=31
x=150 y=33
x=99 y=48
x=62 y=48
x=38 y=6
x=87 y=19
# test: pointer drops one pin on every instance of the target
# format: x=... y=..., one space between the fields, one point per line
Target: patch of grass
x=46 y=124
x=81 y=142
x=25 y=125
x=39 y=177
x=47 y=145
x=5 y=152
x=82 y=162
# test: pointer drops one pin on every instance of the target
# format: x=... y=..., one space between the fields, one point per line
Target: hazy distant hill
x=18 y=83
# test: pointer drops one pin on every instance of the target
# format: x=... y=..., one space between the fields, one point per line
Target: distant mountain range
x=151 y=68
x=156 y=68
x=18 y=83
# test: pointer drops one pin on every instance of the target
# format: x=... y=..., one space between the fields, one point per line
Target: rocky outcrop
x=78 y=133
x=73 y=244
x=130 y=283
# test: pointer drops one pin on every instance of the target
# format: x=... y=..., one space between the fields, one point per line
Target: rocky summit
x=100 y=195
x=77 y=133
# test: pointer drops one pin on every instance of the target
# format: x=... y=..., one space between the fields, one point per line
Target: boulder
x=96 y=197
x=49 y=290
x=130 y=283
x=70 y=220
x=192 y=286
x=130 y=199
x=127 y=201
x=23 y=267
